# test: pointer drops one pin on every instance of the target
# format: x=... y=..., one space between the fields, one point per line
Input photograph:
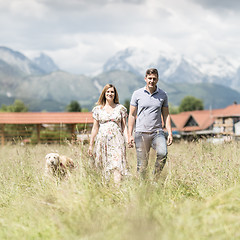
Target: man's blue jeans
x=143 y=143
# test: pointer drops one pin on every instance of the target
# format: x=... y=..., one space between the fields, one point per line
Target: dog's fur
x=58 y=165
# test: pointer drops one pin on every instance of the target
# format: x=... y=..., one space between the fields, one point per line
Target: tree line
x=19 y=106
x=188 y=103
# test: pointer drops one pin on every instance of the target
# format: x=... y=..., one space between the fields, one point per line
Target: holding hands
x=131 y=142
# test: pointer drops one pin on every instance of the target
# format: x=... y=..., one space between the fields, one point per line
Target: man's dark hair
x=152 y=71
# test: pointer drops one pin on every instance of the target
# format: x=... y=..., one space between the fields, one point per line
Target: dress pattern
x=110 y=147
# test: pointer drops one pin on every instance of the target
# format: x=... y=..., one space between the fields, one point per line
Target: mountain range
x=42 y=86
x=175 y=68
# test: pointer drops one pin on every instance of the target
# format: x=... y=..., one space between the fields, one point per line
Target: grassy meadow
x=196 y=197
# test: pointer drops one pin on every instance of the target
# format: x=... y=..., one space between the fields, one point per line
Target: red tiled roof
x=230 y=111
x=180 y=119
x=45 y=117
x=204 y=118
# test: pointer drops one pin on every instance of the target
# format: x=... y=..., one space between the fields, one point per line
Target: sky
x=81 y=35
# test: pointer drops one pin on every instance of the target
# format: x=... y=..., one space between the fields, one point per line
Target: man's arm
x=167 y=123
x=131 y=123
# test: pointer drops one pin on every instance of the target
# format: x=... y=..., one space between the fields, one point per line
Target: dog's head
x=52 y=159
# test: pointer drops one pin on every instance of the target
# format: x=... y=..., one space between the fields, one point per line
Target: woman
x=110 y=130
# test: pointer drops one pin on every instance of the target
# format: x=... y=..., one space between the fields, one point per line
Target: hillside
x=43 y=87
x=213 y=95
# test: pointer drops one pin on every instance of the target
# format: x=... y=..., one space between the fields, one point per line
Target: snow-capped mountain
x=181 y=71
x=219 y=70
x=45 y=63
x=19 y=61
x=218 y=67
x=236 y=80
x=120 y=62
x=40 y=84
x=174 y=68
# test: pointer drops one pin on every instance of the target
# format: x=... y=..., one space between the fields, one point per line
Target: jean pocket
x=138 y=137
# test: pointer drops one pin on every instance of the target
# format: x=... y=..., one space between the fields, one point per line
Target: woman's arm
x=93 y=135
x=124 y=128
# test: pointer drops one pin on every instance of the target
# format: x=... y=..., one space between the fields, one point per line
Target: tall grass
x=196 y=197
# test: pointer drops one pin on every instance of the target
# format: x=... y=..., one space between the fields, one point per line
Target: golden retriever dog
x=58 y=165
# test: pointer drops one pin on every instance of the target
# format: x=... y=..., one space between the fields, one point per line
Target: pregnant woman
x=109 y=132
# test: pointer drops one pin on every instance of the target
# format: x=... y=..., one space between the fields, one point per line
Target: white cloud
x=220 y=5
x=89 y=55
x=27 y=9
x=80 y=35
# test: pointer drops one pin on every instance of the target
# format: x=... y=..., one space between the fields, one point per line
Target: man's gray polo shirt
x=149 y=109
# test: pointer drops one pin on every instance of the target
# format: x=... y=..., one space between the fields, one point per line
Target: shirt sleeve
x=133 y=101
x=95 y=113
x=165 y=103
x=123 y=111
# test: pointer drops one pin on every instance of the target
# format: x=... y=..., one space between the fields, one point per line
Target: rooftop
x=202 y=119
x=45 y=117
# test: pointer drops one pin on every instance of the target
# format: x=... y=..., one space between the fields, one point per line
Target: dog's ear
x=62 y=165
x=70 y=164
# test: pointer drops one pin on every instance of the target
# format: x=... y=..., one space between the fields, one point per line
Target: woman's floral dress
x=110 y=147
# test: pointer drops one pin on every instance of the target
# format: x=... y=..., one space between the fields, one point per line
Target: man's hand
x=169 y=139
x=131 y=142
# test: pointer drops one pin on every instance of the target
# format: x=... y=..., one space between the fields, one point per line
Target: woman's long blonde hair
x=102 y=98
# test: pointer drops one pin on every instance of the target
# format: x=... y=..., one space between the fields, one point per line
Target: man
x=150 y=106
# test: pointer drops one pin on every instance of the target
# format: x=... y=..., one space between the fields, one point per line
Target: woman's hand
x=90 y=153
x=131 y=141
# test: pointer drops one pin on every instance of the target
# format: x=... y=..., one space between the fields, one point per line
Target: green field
x=197 y=196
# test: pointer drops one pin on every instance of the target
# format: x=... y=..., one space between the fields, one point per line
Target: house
x=22 y=125
x=227 y=121
x=215 y=122
x=237 y=128
x=208 y=122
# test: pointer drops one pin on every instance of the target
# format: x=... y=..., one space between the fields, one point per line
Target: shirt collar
x=145 y=90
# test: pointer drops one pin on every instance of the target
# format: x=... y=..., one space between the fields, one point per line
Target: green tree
x=85 y=110
x=127 y=104
x=4 y=108
x=173 y=109
x=74 y=106
x=17 y=106
x=16 y=132
x=190 y=103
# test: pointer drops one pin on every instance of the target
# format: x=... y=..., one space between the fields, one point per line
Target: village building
x=44 y=127
x=55 y=127
x=213 y=122
x=227 y=121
